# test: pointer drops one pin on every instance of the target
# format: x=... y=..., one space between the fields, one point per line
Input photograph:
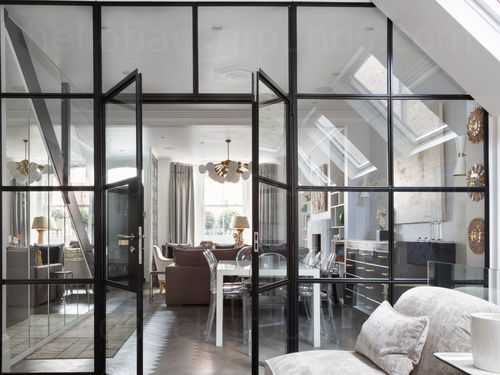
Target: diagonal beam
x=25 y=63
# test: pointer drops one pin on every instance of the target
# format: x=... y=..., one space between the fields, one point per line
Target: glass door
x=123 y=205
x=271 y=243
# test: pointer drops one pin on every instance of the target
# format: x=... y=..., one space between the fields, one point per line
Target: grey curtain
x=181 y=204
x=268 y=206
x=20 y=215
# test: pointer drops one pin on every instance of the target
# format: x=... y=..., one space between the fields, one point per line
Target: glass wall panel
x=341 y=50
x=416 y=73
x=156 y=40
x=344 y=234
x=335 y=321
x=431 y=144
x=40 y=234
x=236 y=41
x=37 y=322
x=273 y=318
x=272 y=135
x=58 y=39
x=436 y=226
x=34 y=151
x=121 y=135
x=342 y=142
x=121 y=334
x=273 y=233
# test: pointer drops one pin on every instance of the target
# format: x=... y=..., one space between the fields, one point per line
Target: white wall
x=163 y=186
x=494 y=224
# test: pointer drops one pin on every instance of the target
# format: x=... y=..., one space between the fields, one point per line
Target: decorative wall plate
x=475 y=125
x=476 y=235
x=475 y=178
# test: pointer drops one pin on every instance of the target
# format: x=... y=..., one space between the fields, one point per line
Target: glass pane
x=331 y=316
x=37 y=321
x=121 y=334
x=475 y=281
x=58 y=39
x=33 y=153
x=41 y=238
x=121 y=131
x=416 y=73
x=118 y=227
x=236 y=41
x=431 y=145
x=434 y=226
x=344 y=234
x=273 y=318
x=273 y=233
x=341 y=50
x=156 y=40
x=342 y=143
x=272 y=135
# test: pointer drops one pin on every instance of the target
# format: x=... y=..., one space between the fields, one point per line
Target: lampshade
x=238 y=222
x=40 y=223
x=460 y=166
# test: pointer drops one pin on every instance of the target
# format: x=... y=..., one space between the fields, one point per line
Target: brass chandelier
x=227 y=170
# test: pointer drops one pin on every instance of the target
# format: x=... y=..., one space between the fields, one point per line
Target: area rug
x=78 y=341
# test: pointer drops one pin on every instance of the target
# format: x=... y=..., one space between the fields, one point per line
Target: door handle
x=131 y=236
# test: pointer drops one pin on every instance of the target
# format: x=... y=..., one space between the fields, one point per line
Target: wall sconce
x=460 y=166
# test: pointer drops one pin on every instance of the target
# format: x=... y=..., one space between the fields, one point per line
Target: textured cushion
x=391 y=340
x=449 y=322
x=51 y=252
x=319 y=362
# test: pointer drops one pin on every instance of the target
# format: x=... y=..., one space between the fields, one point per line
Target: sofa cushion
x=391 y=340
x=449 y=322
x=188 y=256
x=321 y=362
x=51 y=253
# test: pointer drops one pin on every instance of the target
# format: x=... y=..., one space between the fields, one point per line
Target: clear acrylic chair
x=232 y=291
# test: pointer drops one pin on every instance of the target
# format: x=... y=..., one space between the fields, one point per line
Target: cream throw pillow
x=391 y=340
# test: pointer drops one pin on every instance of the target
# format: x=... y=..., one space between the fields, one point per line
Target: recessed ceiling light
x=324 y=89
x=202 y=143
x=103 y=27
x=162 y=137
x=168 y=148
x=369 y=28
x=217 y=27
x=122 y=150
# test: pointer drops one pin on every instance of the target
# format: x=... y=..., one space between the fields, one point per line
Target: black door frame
x=136 y=199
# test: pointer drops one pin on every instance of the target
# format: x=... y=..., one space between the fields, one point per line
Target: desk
x=244 y=269
x=461 y=362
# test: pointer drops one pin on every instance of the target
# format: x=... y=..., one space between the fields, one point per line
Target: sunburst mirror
x=476 y=178
x=475 y=125
x=476 y=233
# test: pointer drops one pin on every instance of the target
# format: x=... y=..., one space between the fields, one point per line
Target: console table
x=461 y=362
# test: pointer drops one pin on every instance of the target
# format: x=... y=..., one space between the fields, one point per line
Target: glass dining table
x=244 y=269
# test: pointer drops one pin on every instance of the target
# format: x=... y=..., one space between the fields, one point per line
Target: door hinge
x=256 y=242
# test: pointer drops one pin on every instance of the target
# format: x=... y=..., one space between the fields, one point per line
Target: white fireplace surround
x=322 y=227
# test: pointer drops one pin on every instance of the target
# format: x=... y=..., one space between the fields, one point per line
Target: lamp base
x=238 y=237
x=41 y=236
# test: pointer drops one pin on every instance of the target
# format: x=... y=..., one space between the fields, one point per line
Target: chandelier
x=25 y=171
x=227 y=170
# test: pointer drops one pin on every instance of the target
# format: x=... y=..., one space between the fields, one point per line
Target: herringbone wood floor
x=174 y=342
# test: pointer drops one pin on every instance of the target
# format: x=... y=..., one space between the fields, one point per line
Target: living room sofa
x=448 y=312
x=188 y=279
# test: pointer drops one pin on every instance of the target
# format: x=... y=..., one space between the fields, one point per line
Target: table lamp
x=239 y=223
x=40 y=224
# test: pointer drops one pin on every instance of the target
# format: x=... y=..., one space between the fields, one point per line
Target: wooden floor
x=174 y=342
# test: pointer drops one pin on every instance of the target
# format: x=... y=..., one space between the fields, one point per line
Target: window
x=221 y=202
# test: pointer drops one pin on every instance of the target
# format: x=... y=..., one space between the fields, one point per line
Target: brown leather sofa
x=188 y=279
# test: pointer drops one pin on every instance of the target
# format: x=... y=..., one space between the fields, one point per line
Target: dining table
x=244 y=269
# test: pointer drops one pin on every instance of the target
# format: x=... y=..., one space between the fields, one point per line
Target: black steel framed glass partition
x=374 y=126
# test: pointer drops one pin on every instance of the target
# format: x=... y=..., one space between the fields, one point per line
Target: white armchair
x=161 y=263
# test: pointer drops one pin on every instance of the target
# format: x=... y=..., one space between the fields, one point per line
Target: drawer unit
x=365 y=259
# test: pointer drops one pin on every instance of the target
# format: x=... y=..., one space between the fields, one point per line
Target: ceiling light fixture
x=227 y=170
x=217 y=27
x=25 y=171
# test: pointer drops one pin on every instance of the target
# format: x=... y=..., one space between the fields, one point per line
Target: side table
x=64 y=275
x=461 y=362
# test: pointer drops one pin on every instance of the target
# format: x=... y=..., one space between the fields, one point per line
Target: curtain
x=268 y=206
x=19 y=216
x=181 y=204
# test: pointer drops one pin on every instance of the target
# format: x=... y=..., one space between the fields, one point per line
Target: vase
x=485 y=335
